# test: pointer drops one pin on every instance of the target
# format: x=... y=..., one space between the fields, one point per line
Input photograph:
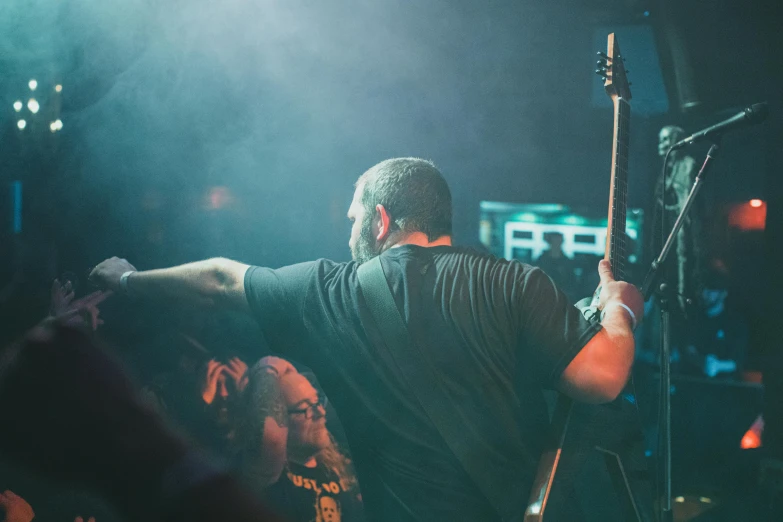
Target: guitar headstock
x=611 y=68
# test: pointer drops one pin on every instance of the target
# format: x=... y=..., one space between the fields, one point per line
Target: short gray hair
x=413 y=192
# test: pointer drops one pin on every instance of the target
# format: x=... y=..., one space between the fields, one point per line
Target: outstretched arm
x=215 y=282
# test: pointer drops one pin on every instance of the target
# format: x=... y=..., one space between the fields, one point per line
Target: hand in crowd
x=76 y=313
x=16 y=508
x=210 y=386
x=62 y=295
x=613 y=292
x=81 y=519
x=107 y=273
x=237 y=370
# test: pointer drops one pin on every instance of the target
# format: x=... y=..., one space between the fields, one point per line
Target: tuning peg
x=600 y=72
x=603 y=55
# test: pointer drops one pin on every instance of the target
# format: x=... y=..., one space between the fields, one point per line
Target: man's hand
x=16 y=508
x=614 y=292
x=209 y=387
x=600 y=370
x=107 y=273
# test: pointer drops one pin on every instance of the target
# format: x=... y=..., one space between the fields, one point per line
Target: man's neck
x=420 y=239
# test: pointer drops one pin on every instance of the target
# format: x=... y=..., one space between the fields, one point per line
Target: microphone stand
x=650 y=286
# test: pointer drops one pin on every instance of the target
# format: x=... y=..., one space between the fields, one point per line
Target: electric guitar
x=554 y=459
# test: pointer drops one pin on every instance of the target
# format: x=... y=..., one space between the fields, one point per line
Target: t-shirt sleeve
x=276 y=298
x=552 y=329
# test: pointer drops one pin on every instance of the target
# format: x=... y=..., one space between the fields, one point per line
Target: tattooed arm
x=264 y=430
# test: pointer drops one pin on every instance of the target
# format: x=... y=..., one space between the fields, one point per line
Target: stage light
x=32 y=104
x=21 y=124
x=756 y=203
x=219 y=197
x=32 y=84
x=679 y=499
x=18 y=105
x=56 y=125
x=58 y=88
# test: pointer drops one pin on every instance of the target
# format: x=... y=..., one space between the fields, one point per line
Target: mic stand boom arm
x=653 y=274
x=650 y=286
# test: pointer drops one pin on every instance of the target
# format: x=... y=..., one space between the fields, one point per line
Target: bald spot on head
x=297 y=389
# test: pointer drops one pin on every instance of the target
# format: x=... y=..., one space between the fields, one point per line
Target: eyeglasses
x=311 y=409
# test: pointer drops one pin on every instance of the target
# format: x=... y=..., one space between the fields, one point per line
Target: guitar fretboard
x=616 y=238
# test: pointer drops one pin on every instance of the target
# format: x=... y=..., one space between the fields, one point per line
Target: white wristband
x=627 y=308
x=124 y=281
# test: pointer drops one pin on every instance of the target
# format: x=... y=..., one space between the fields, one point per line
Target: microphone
x=752 y=115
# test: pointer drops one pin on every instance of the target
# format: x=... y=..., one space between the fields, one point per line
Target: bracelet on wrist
x=627 y=309
x=124 y=281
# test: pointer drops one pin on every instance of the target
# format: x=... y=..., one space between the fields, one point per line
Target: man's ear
x=382 y=223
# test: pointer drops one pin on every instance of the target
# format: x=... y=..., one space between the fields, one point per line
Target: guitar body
x=591 y=444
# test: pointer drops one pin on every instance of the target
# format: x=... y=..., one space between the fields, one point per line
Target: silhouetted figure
x=558 y=265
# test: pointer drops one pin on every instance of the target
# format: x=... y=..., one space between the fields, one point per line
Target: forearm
x=212 y=282
x=617 y=352
x=600 y=370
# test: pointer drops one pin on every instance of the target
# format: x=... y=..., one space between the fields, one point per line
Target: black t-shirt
x=315 y=494
x=496 y=331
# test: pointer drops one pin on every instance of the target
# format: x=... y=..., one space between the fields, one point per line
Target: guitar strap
x=421 y=378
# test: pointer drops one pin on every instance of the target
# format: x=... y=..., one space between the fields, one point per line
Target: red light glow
x=219 y=197
x=748 y=216
x=752 y=437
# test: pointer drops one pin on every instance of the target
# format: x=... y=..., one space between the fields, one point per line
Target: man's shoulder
x=306 y=268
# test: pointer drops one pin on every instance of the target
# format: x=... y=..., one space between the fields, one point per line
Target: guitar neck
x=618 y=192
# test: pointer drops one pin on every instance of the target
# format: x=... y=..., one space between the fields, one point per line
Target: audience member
x=559 y=266
x=77 y=418
x=290 y=452
x=199 y=393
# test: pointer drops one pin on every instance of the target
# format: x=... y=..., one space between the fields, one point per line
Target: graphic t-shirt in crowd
x=495 y=331
x=315 y=494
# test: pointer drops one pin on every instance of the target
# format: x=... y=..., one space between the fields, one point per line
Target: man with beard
x=494 y=332
x=295 y=461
